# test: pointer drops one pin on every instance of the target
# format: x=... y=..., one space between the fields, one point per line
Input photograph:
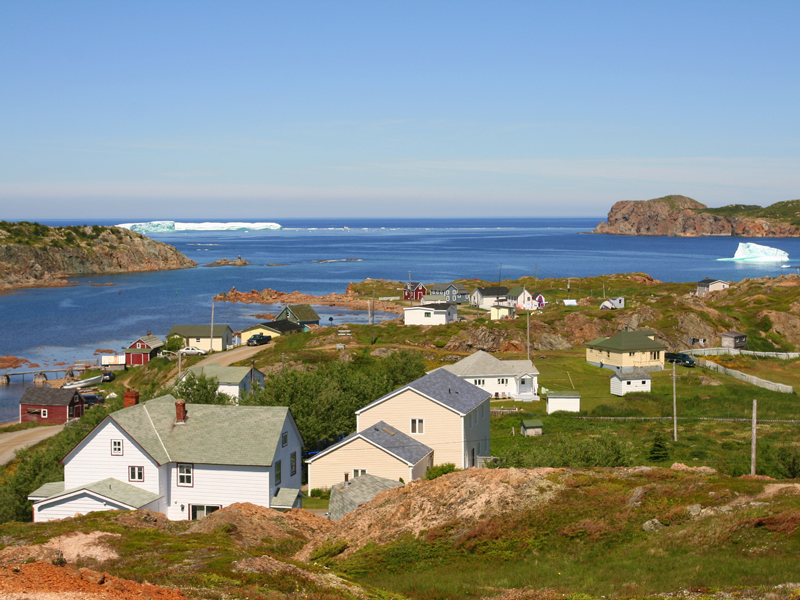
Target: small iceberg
x=749 y=252
x=173 y=226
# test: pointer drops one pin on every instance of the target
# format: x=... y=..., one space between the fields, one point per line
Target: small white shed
x=502 y=311
x=569 y=401
x=618 y=302
x=635 y=381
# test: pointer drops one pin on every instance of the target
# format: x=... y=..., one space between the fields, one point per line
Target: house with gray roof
x=379 y=449
x=143 y=350
x=485 y=297
x=300 y=314
x=203 y=337
x=347 y=496
x=517 y=379
x=234 y=381
x=50 y=406
x=183 y=460
x=447 y=292
x=440 y=410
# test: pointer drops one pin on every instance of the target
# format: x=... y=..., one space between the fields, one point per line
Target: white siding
x=215 y=484
x=621 y=387
x=476 y=435
x=567 y=404
x=92 y=460
x=416 y=316
x=81 y=502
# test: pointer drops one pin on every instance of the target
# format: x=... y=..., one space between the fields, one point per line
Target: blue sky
x=259 y=110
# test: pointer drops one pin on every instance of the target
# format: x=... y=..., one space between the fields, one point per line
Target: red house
x=142 y=350
x=414 y=290
x=50 y=405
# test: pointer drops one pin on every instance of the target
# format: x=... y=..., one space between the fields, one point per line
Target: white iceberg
x=749 y=252
x=172 y=226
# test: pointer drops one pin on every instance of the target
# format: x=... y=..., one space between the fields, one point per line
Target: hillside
x=34 y=255
x=504 y=533
x=684 y=217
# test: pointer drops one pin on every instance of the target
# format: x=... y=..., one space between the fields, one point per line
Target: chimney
x=180 y=411
x=130 y=398
x=148 y=333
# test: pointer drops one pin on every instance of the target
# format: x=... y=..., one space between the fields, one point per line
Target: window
x=293 y=463
x=135 y=473
x=198 y=511
x=185 y=475
x=427 y=315
x=116 y=447
x=278 y=473
x=197 y=340
x=644 y=382
x=628 y=382
x=284 y=439
x=44 y=413
x=359 y=472
x=655 y=355
x=417 y=426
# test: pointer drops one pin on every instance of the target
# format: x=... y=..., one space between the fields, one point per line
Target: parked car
x=259 y=339
x=192 y=350
x=109 y=376
x=679 y=358
x=89 y=400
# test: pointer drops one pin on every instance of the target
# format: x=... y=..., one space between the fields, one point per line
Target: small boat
x=83 y=382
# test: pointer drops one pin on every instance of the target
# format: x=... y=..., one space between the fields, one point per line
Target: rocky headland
x=34 y=255
x=268 y=296
x=684 y=217
x=227 y=262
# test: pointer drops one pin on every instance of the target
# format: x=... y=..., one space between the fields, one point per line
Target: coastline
x=346 y=300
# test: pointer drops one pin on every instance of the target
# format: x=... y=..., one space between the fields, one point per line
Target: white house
x=440 y=410
x=430 y=314
x=517 y=379
x=502 y=311
x=183 y=460
x=234 y=381
x=202 y=336
x=520 y=297
x=486 y=297
x=379 y=449
x=633 y=381
x=566 y=401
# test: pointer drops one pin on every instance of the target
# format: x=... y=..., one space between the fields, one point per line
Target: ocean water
x=62 y=324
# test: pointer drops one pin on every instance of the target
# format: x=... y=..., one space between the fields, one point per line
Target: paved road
x=20 y=439
x=229 y=357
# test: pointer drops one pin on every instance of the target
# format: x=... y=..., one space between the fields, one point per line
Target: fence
x=738 y=351
x=769 y=385
x=720 y=419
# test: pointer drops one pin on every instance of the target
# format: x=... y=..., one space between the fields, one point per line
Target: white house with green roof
x=520 y=297
x=183 y=460
x=234 y=381
x=627 y=351
x=203 y=337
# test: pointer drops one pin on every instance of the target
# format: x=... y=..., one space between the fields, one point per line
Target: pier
x=40 y=375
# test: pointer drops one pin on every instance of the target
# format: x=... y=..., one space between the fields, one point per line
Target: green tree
x=174 y=343
x=659 y=451
x=201 y=390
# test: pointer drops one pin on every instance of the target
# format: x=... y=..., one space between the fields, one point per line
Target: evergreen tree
x=659 y=451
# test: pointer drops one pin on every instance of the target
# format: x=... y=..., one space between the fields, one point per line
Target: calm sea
x=52 y=325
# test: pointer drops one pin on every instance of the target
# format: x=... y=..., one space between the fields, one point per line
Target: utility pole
x=372 y=319
x=500 y=275
x=604 y=290
x=211 y=340
x=283 y=364
x=536 y=274
x=674 y=407
x=568 y=286
x=529 y=335
x=753 y=447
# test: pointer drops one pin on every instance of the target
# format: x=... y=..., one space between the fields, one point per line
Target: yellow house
x=379 y=450
x=274 y=329
x=626 y=351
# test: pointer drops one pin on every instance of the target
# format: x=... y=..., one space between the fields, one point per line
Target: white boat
x=83 y=382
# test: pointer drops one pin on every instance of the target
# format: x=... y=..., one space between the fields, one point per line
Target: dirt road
x=229 y=357
x=20 y=439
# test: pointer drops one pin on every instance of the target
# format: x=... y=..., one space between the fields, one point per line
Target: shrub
x=321 y=493
x=439 y=470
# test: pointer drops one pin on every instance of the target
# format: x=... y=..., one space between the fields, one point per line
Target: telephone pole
x=674 y=407
x=529 y=335
x=211 y=339
x=753 y=447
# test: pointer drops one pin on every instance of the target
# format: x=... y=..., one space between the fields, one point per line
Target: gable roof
x=110 y=488
x=229 y=375
x=708 y=281
x=492 y=291
x=441 y=287
x=733 y=333
x=482 y=363
x=348 y=496
x=302 y=312
x=212 y=434
x=627 y=341
x=632 y=375
x=532 y=423
x=151 y=340
x=198 y=331
x=435 y=306
x=285 y=326
x=563 y=394
x=285 y=497
x=48 y=396
x=388 y=438
x=516 y=291
x=442 y=387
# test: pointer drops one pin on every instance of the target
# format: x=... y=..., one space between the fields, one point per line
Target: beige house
x=440 y=410
x=627 y=351
x=502 y=311
x=203 y=337
x=709 y=285
x=274 y=329
x=379 y=449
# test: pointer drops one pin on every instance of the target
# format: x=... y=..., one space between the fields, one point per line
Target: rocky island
x=35 y=255
x=685 y=217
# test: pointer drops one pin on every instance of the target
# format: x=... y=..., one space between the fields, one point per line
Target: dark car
x=259 y=339
x=90 y=400
x=679 y=358
x=109 y=376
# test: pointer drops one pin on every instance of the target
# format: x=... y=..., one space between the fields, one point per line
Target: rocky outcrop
x=228 y=262
x=54 y=253
x=683 y=217
x=269 y=296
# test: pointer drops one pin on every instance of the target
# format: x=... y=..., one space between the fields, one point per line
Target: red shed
x=414 y=290
x=50 y=405
x=142 y=350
